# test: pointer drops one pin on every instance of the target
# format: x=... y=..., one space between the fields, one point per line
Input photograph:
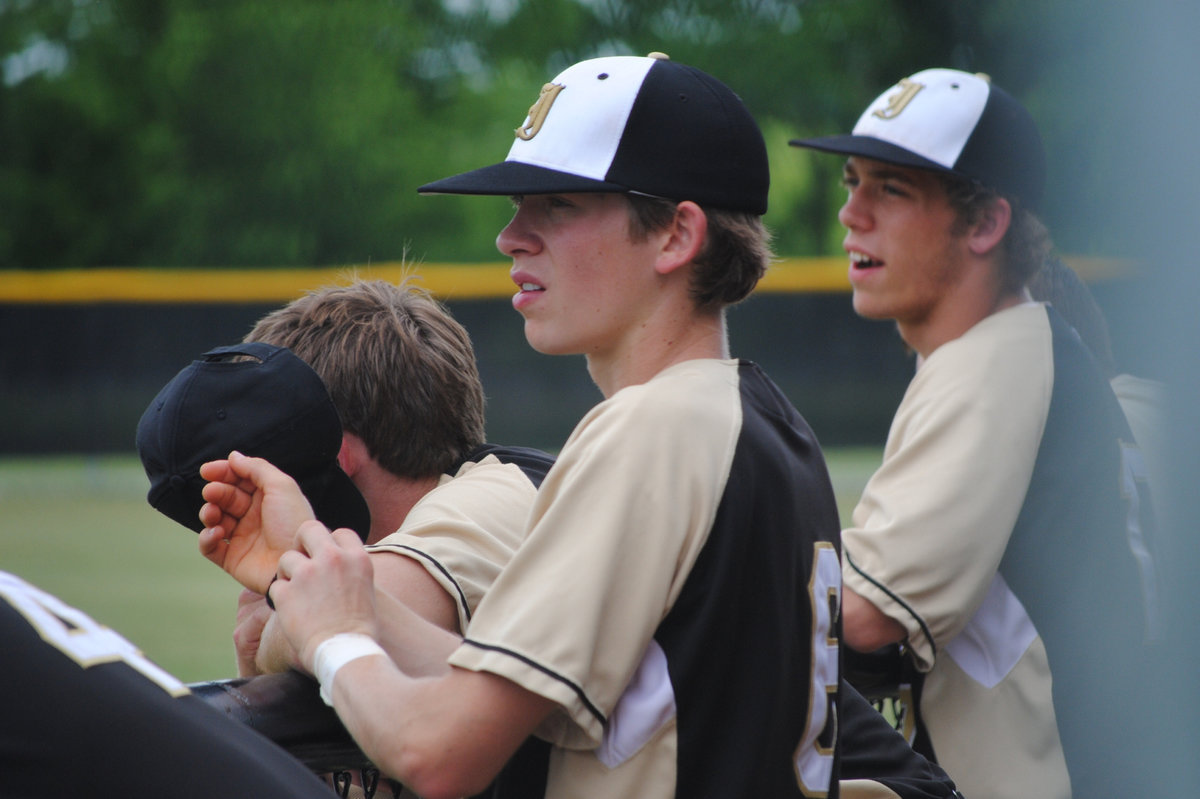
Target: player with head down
x=1005 y=539
x=669 y=622
x=368 y=396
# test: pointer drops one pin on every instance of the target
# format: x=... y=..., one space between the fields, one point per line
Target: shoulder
x=681 y=397
x=534 y=463
x=1015 y=339
x=1006 y=360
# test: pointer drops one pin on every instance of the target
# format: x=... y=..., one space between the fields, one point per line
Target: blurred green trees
x=251 y=133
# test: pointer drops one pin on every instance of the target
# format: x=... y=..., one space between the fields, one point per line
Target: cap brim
x=869 y=147
x=514 y=177
x=337 y=502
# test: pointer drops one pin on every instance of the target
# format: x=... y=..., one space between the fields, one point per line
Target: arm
x=933 y=523
x=416 y=618
x=252 y=616
x=445 y=735
x=865 y=627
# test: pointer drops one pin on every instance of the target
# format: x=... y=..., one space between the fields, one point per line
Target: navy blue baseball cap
x=636 y=125
x=951 y=121
x=260 y=400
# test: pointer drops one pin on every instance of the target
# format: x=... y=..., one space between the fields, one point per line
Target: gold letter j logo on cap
x=896 y=103
x=538 y=111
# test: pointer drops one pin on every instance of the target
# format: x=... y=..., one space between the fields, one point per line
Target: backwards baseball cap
x=955 y=122
x=268 y=404
x=628 y=124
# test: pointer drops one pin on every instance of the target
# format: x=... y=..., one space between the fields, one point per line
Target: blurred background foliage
x=249 y=133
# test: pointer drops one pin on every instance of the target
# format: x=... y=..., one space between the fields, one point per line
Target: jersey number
x=77 y=635
x=814 y=756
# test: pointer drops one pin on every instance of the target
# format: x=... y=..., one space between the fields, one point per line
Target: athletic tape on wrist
x=337 y=651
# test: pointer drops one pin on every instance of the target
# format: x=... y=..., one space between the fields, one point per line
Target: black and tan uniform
x=683 y=548
x=1008 y=530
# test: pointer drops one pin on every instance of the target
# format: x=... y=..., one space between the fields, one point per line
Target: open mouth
x=859 y=260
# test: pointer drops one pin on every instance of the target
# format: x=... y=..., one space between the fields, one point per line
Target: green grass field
x=80 y=528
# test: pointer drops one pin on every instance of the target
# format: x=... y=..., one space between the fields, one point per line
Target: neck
x=975 y=298
x=389 y=497
x=655 y=347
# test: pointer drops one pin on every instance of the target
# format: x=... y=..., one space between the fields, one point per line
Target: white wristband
x=337 y=651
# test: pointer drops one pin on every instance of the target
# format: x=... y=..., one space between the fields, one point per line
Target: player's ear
x=684 y=238
x=353 y=454
x=989 y=231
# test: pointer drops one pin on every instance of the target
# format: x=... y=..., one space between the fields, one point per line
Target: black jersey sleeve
x=83 y=713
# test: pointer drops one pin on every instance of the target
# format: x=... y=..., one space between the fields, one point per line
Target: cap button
x=658 y=56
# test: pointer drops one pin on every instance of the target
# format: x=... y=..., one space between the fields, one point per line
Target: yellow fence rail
x=445 y=280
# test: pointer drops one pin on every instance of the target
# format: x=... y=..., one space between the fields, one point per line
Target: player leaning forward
x=669 y=621
x=1003 y=539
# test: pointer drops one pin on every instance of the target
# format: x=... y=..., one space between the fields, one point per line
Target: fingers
x=255 y=472
x=324 y=586
x=213 y=544
x=218 y=471
x=224 y=498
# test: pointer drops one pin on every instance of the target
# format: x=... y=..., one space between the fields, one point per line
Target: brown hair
x=1059 y=285
x=401 y=371
x=734 y=258
x=1027 y=243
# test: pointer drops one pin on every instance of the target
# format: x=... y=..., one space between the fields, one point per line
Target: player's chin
x=869 y=307
x=543 y=340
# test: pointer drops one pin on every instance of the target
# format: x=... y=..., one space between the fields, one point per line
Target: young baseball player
x=448 y=508
x=85 y=713
x=1005 y=538
x=669 y=621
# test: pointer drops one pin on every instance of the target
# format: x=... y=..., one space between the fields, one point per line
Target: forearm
x=417 y=646
x=445 y=736
x=866 y=627
x=275 y=654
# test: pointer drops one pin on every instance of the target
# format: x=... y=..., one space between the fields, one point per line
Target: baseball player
x=669 y=621
x=85 y=713
x=1005 y=541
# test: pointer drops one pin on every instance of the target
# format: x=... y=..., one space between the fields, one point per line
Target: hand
x=326 y=586
x=252 y=616
x=251 y=513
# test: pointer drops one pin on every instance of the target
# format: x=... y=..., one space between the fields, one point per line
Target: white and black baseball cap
x=950 y=121
x=630 y=124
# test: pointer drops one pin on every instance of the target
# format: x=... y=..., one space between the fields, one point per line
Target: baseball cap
x=950 y=121
x=268 y=404
x=631 y=124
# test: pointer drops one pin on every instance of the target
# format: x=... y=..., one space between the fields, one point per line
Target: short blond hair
x=400 y=369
